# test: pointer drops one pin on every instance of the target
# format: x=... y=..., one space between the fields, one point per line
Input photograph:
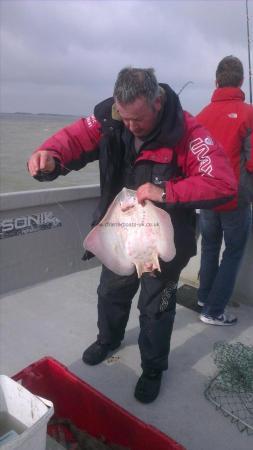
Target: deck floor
x=58 y=318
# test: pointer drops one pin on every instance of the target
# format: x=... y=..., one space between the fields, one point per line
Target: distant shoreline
x=36 y=114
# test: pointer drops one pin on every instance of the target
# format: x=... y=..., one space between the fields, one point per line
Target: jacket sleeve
x=249 y=162
x=74 y=145
x=208 y=179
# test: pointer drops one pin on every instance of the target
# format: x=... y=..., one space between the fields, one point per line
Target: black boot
x=97 y=352
x=148 y=386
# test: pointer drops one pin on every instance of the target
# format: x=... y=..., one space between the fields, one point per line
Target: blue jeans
x=217 y=280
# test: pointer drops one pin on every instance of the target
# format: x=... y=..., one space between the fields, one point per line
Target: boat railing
x=42 y=233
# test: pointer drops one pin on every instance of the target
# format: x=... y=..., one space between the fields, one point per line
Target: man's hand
x=41 y=161
x=149 y=191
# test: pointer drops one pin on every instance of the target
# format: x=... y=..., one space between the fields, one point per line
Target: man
x=144 y=141
x=230 y=121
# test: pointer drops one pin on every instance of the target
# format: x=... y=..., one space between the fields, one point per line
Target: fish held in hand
x=131 y=236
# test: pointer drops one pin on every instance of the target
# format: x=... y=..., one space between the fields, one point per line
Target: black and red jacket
x=179 y=154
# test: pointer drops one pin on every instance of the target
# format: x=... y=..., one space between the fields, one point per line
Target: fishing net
x=231 y=390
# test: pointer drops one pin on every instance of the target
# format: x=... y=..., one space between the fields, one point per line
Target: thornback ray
x=132 y=236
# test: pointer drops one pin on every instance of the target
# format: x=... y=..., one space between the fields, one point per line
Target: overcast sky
x=63 y=56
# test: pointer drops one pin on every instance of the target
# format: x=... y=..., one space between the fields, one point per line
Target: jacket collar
x=228 y=93
x=169 y=130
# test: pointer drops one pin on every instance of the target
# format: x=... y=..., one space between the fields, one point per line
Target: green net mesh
x=231 y=390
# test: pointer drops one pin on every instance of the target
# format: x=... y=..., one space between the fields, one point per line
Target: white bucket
x=23 y=417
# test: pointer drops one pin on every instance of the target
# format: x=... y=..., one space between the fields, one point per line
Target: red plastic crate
x=90 y=410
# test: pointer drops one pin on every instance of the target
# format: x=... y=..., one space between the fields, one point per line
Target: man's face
x=139 y=116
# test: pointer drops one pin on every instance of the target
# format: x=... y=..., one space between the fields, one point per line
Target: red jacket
x=206 y=173
x=230 y=121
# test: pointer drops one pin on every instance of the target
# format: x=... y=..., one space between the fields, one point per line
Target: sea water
x=20 y=135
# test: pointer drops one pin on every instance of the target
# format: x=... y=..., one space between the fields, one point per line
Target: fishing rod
x=248 y=38
x=184 y=86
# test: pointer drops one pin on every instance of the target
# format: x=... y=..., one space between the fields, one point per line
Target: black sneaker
x=97 y=352
x=148 y=386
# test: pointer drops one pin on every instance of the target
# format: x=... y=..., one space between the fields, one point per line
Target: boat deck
x=58 y=318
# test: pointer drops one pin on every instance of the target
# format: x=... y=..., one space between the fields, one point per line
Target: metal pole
x=248 y=37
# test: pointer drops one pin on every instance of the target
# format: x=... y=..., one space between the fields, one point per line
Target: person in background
x=146 y=142
x=230 y=121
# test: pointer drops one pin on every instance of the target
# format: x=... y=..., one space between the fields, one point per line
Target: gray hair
x=229 y=72
x=133 y=83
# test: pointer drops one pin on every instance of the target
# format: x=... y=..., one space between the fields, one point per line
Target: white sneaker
x=223 y=319
x=200 y=303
